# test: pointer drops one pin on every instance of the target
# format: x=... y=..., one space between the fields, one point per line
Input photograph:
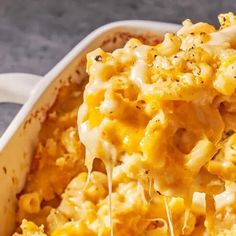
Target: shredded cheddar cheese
x=156 y=133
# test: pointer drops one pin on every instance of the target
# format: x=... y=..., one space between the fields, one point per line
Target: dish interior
x=24 y=139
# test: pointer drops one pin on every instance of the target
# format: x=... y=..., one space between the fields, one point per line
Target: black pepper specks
x=4 y=170
x=98 y=58
x=228 y=133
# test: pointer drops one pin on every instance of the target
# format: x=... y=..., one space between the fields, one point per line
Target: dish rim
x=47 y=79
x=19 y=136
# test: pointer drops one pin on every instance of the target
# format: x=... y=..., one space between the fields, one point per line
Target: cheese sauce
x=157 y=124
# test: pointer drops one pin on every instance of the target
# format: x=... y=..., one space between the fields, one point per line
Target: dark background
x=36 y=34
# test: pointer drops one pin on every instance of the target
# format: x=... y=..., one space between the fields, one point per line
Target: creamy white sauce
x=223 y=36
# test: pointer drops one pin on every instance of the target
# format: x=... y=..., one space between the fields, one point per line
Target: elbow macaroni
x=157 y=122
x=30 y=202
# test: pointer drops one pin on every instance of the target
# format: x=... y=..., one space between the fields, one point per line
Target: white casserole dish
x=38 y=93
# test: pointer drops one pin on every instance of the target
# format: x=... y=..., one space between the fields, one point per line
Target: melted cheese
x=176 y=129
x=169 y=217
x=161 y=119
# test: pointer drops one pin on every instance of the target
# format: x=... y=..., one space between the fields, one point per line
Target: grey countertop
x=35 y=35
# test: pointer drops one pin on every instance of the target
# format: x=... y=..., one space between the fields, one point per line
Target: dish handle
x=17 y=87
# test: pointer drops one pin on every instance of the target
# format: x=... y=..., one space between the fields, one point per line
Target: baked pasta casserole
x=147 y=147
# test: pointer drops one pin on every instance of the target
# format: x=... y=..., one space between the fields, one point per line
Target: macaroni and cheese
x=153 y=150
